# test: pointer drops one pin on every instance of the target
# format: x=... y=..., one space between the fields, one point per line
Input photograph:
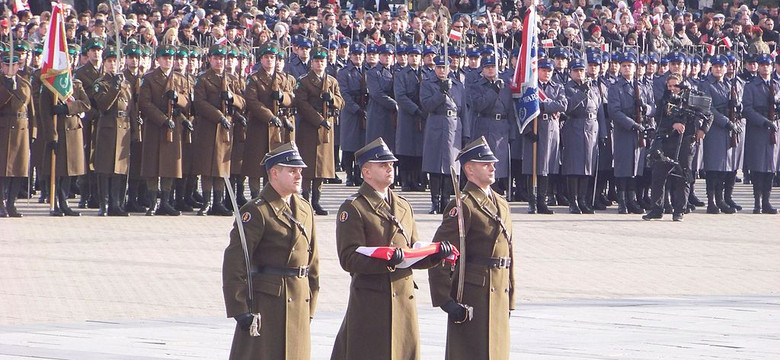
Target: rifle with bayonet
x=734 y=116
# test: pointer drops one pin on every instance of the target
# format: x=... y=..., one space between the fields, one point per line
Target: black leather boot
x=718 y=188
x=583 y=197
x=103 y=195
x=621 y=200
x=315 y=203
x=205 y=209
x=572 y=189
x=219 y=208
x=728 y=191
x=10 y=203
x=62 y=197
x=766 y=207
x=116 y=196
x=633 y=206
x=132 y=199
x=541 y=196
x=756 y=180
x=435 y=199
x=151 y=197
x=165 y=205
x=712 y=207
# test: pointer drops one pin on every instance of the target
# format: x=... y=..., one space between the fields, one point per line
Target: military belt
x=121 y=113
x=301 y=271
x=499 y=262
x=497 y=117
x=449 y=113
x=18 y=115
x=546 y=116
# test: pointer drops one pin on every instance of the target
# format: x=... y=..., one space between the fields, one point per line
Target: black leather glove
x=531 y=137
x=733 y=127
x=638 y=128
x=361 y=113
x=52 y=146
x=225 y=123
x=771 y=125
x=327 y=97
x=227 y=96
x=499 y=84
x=172 y=95
x=10 y=82
x=277 y=95
x=455 y=311
x=244 y=321
x=238 y=118
x=170 y=124
x=275 y=122
x=541 y=107
x=397 y=258
x=325 y=124
x=445 y=250
x=60 y=109
x=445 y=85
x=188 y=125
x=288 y=125
x=117 y=80
x=603 y=141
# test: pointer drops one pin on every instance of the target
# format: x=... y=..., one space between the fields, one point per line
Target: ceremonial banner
x=55 y=67
x=419 y=251
x=525 y=86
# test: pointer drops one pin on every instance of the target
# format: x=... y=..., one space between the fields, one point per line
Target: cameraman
x=678 y=129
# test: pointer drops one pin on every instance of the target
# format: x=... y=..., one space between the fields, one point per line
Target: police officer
x=113 y=97
x=760 y=101
x=442 y=99
x=319 y=100
x=280 y=239
x=605 y=168
x=381 y=318
x=677 y=134
x=16 y=114
x=163 y=101
x=411 y=121
x=579 y=138
x=719 y=151
x=88 y=74
x=382 y=107
x=547 y=137
x=217 y=102
x=354 y=90
x=487 y=252
x=267 y=92
x=627 y=132
x=494 y=114
x=300 y=64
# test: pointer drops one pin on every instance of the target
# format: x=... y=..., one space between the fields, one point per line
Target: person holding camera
x=679 y=128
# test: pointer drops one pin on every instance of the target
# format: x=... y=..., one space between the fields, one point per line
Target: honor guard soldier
x=547 y=137
x=411 y=121
x=284 y=266
x=237 y=181
x=760 y=101
x=486 y=253
x=135 y=184
x=381 y=318
x=217 y=102
x=88 y=75
x=17 y=128
x=38 y=146
x=579 y=136
x=352 y=82
x=111 y=158
x=494 y=116
x=267 y=92
x=382 y=107
x=319 y=100
x=180 y=66
x=163 y=103
x=444 y=130
x=720 y=144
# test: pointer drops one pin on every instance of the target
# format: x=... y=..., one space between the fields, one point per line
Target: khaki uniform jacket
x=239 y=133
x=160 y=157
x=17 y=127
x=188 y=149
x=39 y=145
x=318 y=156
x=489 y=290
x=285 y=303
x=112 y=137
x=69 y=133
x=213 y=143
x=381 y=318
x=88 y=74
x=259 y=111
x=136 y=147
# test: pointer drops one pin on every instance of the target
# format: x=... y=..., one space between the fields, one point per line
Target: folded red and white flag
x=547 y=43
x=727 y=42
x=710 y=49
x=455 y=35
x=418 y=252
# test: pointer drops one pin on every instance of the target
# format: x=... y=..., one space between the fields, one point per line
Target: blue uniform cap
x=456 y=52
x=653 y=58
x=719 y=60
x=644 y=60
x=615 y=57
x=664 y=61
x=764 y=59
x=357 y=47
x=594 y=58
x=401 y=49
x=490 y=60
x=285 y=155
x=732 y=58
x=472 y=52
x=577 y=64
x=372 y=49
x=440 y=60
x=344 y=42
x=333 y=45
x=477 y=151
x=675 y=56
x=428 y=50
x=376 y=151
x=386 y=49
x=487 y=50
x=627 y=57
x=304 y=42
x=414 y=49
x=546 y=63
x=696 y=60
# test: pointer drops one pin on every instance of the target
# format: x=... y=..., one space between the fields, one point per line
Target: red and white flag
x=547 y=43
x=55 y=66
x=419 y=251
x=220 y=41
x=604 y=47
x=727 y=42
x=710 y=49
x=21 y=5
x=455 y=35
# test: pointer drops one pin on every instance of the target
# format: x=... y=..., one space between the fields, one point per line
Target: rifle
x=323 y=132
x=363 y=98
x=638 y=112
x=734 y=136
x=169 y=87
x=225 y=106
x=394 y=117
x=274 y=132
x=772 y=116
x=461 y=245
x=139 y=120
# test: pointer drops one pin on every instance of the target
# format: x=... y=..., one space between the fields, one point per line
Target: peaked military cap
x=764 y=59
x=133 y=49
x=285 y=155
x=74 y=49
x=319 y=53
x=333 y=45
x=38 y=49
x=387 y=49
x=577 y=64
x=7 y=58
x=546 y=63
x=415 y=49
x=110 y=52
x=268 y=49
x=719 y=60
x=304 y=42
x=372 y=49
x=93 y=43
x=23 y=45
x=375 y=151
x=165 y=50
x=440 y=60
x=477 y=151
x=489 y=61
x=428 y=49
x=182 y=52
x=218 y=50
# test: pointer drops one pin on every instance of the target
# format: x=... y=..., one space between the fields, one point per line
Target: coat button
x=289 y=300
x=492 y=289
x=506 y=290
x=393 y=293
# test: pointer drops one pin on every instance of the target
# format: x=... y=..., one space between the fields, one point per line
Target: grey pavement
x=602 y=286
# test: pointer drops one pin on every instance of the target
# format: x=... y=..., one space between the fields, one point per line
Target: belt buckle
x=503 y=262
x=498 y=117
x=302 y=271
x=452 y=113
x=21 y=115
x=120 y=113
x=545 y=116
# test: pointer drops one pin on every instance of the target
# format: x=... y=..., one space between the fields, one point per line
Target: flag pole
x=53 y=177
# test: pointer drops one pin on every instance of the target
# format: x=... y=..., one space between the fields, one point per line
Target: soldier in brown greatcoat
x=88 y=74
x=16 y=130
x=134 y=74
x=267 y=90
x=111 y=158
x=180 y=63
x=217 y=101
x=282 y=248
x=233 y=62
x=317 y=91
x=163 y=103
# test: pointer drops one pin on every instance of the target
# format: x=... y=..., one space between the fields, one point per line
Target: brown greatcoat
x=136 y=147
x=160 y=157
x=188 y=149
x=318 y=156
x=16 y=128
x=68 y=134
x=39 y=145
x=237 y=152
x=489 y=290
x=213 y=143
x=112 y=138
x=259 y=111
x=88 y=74
x=285 y=303
x=381 y=318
